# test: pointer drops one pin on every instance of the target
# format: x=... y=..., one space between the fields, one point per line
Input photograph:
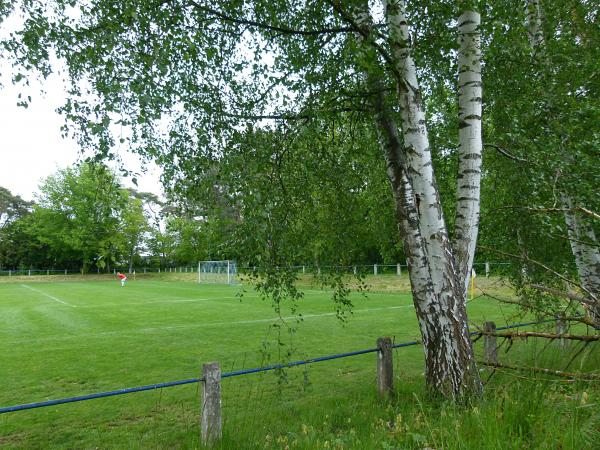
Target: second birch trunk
x=470 y=150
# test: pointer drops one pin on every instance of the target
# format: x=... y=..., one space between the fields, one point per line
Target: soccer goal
x=220 y=272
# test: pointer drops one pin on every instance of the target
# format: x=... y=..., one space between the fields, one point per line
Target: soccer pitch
x=62 y=339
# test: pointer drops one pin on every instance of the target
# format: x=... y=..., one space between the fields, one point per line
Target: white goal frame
x=217 y=272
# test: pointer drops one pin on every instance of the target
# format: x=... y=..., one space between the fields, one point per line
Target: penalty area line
x=48 y=296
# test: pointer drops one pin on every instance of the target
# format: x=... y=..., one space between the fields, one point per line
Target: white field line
x=195 y=325
x=152 y=302
x=366 y=293
x=156 y=300
x=48 y=296
x=306 y=291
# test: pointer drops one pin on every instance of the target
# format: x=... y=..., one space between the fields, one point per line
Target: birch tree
x=582 y=239
x=437 y=288
x=542 y=138
x=213 y=72
x=470 y=141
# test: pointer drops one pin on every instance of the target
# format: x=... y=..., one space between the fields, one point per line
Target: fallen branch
x=558 y=373
x=527 y=334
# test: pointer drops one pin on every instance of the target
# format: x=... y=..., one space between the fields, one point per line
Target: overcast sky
x=31 y=146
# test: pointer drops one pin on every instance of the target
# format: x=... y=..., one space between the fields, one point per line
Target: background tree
x=544 y=175
x=133 y=227
x=78 y=213
x=14 y=243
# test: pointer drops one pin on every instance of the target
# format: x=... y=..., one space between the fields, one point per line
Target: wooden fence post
x=210 y=420
x=398 y=269
x=385 y=367
x=374 y=269
x=490 y=349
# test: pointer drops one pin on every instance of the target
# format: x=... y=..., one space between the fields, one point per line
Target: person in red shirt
x=122 y=277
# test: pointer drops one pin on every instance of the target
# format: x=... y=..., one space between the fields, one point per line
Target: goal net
x=221 y=272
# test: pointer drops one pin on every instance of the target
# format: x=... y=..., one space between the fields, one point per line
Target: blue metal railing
x=234 y=373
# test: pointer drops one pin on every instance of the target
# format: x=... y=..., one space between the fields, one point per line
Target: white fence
x=481 y=269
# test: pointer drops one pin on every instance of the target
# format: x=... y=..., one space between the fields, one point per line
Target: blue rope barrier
x=406 y=344
x=98 y=395
x=515 y=325
x=296 y=363
x=226 y=374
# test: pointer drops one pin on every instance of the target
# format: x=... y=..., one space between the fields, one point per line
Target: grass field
x=68 y=338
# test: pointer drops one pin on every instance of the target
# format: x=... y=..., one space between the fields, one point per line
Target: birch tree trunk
x=437 y=290
x=534 y=19
x=584 y=247
x=470 y=150
x=582 y=238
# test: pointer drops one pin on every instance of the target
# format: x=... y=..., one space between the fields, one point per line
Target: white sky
x=31 y=146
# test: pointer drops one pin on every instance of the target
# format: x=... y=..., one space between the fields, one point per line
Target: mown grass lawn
x=68 y=338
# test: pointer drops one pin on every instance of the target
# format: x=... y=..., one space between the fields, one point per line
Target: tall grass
x=514 y=413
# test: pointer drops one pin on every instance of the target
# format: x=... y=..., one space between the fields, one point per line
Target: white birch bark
x=533 y=22
x=437 y=290
x=470 y=150
x=584 y=247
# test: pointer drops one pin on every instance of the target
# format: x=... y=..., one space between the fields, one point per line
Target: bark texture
x=471 y=145
x=534 y=19
x=437 y=289
x=584 y=247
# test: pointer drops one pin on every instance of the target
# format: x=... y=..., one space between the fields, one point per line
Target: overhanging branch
x=291 y=117
x=266 y=26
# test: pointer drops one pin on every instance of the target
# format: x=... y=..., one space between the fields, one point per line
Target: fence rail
x=234 y=373
x=486 y=268
x=137 y=270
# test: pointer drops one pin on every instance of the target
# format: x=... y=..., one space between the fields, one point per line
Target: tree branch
x=558 y=373
x=563 y=294
x=567 y=238
x=266 y=26
x=552 y=209
x=290 y=117
x=527 y=334
x=366 y=34
x=577 y=318
x=506 y=153
x=588 y=212
x=545 y=267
